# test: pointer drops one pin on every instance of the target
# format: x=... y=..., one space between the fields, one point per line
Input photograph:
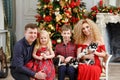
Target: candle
x=101 y=3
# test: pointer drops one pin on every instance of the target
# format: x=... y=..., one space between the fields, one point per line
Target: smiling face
x=31 y=35
x=86 y=29
x=43 y=39
x=66 y=35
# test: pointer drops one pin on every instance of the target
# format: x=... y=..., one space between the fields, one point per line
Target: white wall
x=2 y=31
x=25 y=12
x=112 y=2
x=90 y=3
x=1 y=16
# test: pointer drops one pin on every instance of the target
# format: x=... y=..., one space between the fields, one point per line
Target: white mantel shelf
x=104 y=18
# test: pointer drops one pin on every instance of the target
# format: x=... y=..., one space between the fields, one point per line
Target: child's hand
x=47 y=53
x=62 y=58
x=40 y=57
x=68 y=59
x=44 y=56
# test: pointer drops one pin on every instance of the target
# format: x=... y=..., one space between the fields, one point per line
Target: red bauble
x=47 y=18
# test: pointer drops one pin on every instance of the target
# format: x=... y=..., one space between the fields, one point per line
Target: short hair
x=31 y=25
x=66 y=27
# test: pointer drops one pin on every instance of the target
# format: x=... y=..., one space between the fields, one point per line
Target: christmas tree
x=52 y=14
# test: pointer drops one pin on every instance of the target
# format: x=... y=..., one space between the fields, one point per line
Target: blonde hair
x=78 y=34
x=49 y=43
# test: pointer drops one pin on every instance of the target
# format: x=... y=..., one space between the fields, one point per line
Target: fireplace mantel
x=102 y=20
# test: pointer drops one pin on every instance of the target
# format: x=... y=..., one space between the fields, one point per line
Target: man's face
x=66 y=35
x=31 y=35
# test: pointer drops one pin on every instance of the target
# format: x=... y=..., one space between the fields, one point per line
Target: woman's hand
x=89 y=56
x=100 y=54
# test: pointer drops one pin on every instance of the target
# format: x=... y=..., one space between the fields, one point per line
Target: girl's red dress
x=90 y=72
x=46 y=66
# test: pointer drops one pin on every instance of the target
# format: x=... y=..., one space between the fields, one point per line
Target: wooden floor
x=114 y=72
x=9 y=77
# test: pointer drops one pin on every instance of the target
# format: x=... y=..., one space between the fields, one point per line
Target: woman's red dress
x=45 y=65
x=90 y=72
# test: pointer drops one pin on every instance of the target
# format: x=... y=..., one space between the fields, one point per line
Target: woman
x=86 y=32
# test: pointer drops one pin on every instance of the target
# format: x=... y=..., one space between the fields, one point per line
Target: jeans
x=66 y=70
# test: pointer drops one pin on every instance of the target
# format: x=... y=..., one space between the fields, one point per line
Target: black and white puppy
x=57 y=61
x=92 y=48
x=73 y=62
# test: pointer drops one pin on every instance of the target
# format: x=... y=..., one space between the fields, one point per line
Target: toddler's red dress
x=90 y=72
x=45 y=65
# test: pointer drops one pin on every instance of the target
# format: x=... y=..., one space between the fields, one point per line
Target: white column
x=1 y=16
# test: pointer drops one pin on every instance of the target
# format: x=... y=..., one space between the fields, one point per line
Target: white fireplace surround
x=102 y=20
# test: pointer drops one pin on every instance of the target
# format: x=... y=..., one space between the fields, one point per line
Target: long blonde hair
x=49 y=43
x=78 y=35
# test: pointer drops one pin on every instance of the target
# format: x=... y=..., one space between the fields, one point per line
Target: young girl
x=43 y=55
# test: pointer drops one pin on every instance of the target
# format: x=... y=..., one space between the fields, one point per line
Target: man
x=23 y=53
x=65 y=51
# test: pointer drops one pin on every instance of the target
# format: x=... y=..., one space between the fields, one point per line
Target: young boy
x=65 y=51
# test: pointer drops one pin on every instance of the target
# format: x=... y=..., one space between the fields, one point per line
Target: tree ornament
x=45 y=6
x=59 y=40
x=62 y=3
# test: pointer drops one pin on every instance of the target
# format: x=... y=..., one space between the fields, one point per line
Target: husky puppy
x=92 y=48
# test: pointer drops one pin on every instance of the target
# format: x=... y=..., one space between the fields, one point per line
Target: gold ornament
x=75 y=10
x=49 y=32
x=58 y=17
x=84 y=10
x=45 y=6
x=59 y=40
x=51 y=27
x=57 y=9
x=63 y=21
x=62 y=3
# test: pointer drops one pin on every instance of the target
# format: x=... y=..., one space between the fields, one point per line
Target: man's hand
x=40 y=75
